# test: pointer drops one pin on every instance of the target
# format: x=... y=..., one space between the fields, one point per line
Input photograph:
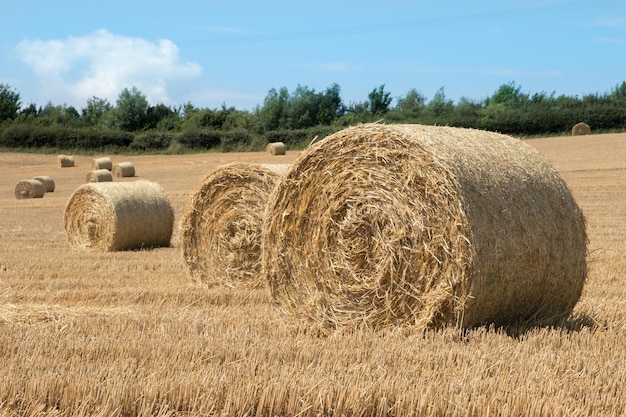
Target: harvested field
x=130 y=333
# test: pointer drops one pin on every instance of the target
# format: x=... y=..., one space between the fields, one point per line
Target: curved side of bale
x=65 y=161
x=221 y=226
x=102 y=163
x=48 y=183
x=118 y=216
x=99 y=175
x=29 y=189
x=430 y=226
x=124 y=169
x=276 y=148
x=580 y=129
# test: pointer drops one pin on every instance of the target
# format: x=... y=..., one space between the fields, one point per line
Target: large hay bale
x=99 y=175
x=118 y=216
x=221 y=227
x=29 y=189
x=581 y=129
x=124 y=169
x=48 y=183
x=102 y=163
x=66 y=161
x=431 y=226
x=276 y=148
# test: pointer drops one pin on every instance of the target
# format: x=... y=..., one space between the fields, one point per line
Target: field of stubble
x=129 y=333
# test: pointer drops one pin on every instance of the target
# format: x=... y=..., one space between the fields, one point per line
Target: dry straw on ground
x=29 y=189
x=580 y=129
x=119 y=216
x=124 y=169
x=65 y=161
x=102 y=163
x=99 y=175
x=221 y=227
x=406 y=224
x=48 y=183
x=276 y=148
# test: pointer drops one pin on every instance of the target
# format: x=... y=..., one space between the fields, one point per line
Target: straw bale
x=29 y=189
x=383 y=225
x=580 y=129
x=124 y=169
x=102 y=163
x=221 y=226
x=99 y=175
x=48 y=183
x=276 y=148
x=118 y=216
x=65 y=161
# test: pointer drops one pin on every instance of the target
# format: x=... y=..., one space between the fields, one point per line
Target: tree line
x=295 y=118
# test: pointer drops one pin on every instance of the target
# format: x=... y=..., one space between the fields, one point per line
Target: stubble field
x=130 y=334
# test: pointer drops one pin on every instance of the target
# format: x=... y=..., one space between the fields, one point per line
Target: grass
x=129 y=334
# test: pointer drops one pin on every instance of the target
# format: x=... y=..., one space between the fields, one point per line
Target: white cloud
x=101 y=64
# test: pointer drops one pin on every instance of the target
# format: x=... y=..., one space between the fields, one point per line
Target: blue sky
x=235 y=51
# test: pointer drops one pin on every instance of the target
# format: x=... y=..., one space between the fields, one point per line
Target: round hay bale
x=580 y=129
x=431 y=226
x=29 y=189
x=276 y=148
x=102 y=163
x=124 y=169
x=221 y=227
x=48 y=183
x=118 y=216
x=99 y=175
x=66 y=161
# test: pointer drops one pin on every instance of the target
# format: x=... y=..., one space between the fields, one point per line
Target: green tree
x=130 y=113
x=379 y=101
x=9 y=103
x=411 y=105
x=440 y=107
x=96 y=108
x=273 y=114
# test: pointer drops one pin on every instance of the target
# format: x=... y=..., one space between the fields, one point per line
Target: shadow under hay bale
x=124 y=169
x=580 y=129
x=221 y=227
x=384 y=225
x=65 y=161
x=276 y=148
x=118 y=216
x=99 y=175
x=102 y=163
x=48 y=183
x=25 y=189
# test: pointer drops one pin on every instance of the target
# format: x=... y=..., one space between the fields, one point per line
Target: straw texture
x=221 y=227
x=102 y=163
x=276 y=148
x=48 y=183
x=118 y=216
x=580 y=129
x=124 y=169
x=383 y=225
x=29 y=189
x=99 y=175
x=65 y=161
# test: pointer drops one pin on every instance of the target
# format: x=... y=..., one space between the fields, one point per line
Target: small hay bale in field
x=29 y=189
x=66 y=161
x=124 y=169
x=276 y=148
x=99 y=175
x=580 y=129
x=221 y=227
x=48 y=183
x=102 y=163
x=383 y=225
x=118 y=216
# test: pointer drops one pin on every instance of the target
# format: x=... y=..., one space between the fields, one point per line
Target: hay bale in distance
x=29 y=189
x=118 y=216
x=99 y=175
x=276 y=148
x=221 y=226
x=65 y=161
x=124 y=169
x=102 y=163
x=580 y=129
x=48 y=183
x=431 y=226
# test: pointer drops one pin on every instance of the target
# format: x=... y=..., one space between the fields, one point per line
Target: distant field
x=129 y=333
